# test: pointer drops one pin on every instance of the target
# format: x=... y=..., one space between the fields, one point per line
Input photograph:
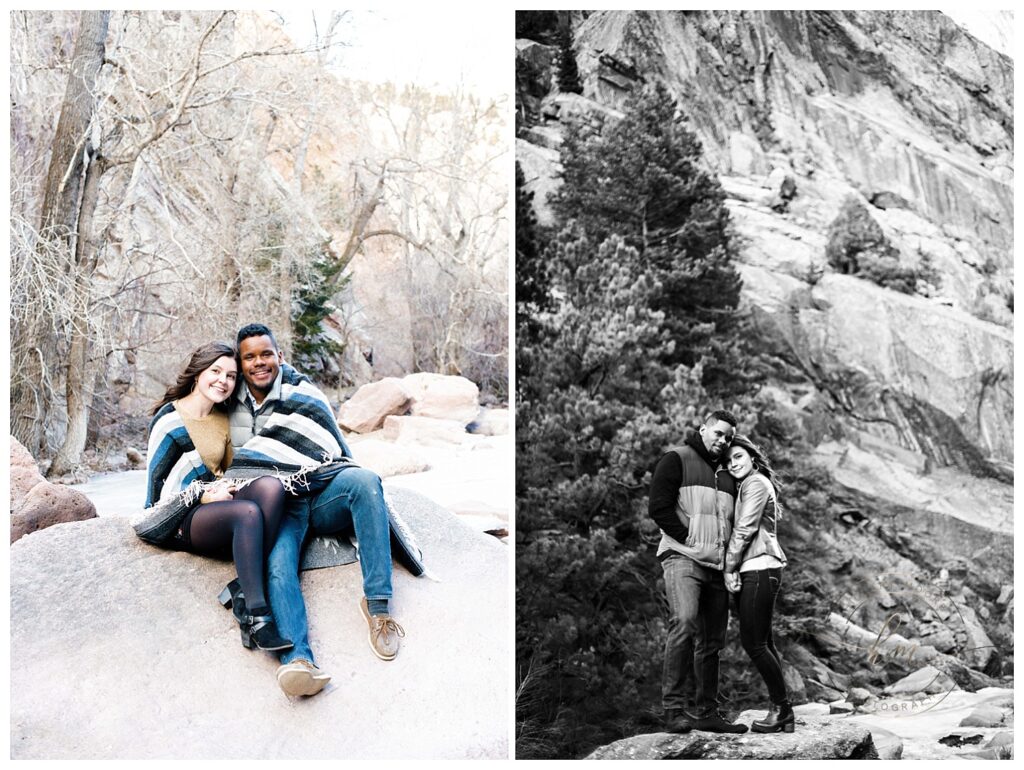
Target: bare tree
x=163 y=92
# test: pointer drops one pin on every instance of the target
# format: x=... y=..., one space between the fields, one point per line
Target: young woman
x=753 y=566
x=189 y=450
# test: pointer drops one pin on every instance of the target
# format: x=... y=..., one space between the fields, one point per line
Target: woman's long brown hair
x=761 y=462
x=202 y=359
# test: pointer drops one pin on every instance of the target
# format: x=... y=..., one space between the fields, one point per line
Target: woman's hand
x=732 y=582
x=217 y=494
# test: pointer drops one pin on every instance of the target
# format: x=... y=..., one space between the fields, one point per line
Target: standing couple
x=247 y=466
x=716 y=502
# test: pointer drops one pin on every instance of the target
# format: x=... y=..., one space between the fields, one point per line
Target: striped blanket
x=300 y=434
x=176 y=477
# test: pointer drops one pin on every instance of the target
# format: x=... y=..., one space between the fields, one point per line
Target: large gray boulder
x=119 y=650
x=813 y=738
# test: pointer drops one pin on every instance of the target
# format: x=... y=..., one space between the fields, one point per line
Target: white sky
x=992 y=27
x=424 y=44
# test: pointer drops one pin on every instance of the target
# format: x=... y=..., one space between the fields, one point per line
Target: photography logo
x=887 y=644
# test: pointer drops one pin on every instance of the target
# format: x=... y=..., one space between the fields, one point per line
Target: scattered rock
x=24 y=474
x=858 y=696
x=821 y=692
x=490 y=422
x=549 y=137
x=443 y=396
x=814 y=738
x=840 y=707
x=997 y=752
x=927 y=679
x=388 y=459
x=961 y=739
x=1000 y=739
x=138 y=639
x=37 y=503
x=888 y=744
x=983 y=716
x=368 y=407
x=942 y=639
x=1005 y=595
x=539 y=58
x=135 y=458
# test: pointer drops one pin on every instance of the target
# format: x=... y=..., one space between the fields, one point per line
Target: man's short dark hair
x=722 y=415
x=259 y=330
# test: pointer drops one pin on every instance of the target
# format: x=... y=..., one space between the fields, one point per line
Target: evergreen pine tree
x=568 y=72
x=311 y=304
x=642 y=178
x=532 y=280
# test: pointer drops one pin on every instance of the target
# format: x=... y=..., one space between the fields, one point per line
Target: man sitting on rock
x=278 y=423
x=692 y=501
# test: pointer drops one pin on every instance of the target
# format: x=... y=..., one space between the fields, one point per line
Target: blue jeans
x=699 y=615
x=353 y=501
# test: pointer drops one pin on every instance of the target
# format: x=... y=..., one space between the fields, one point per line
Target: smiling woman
x=189 y=441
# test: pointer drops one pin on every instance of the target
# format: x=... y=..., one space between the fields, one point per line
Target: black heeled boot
x=259 y=629
x=780 y=719
x=231 y=592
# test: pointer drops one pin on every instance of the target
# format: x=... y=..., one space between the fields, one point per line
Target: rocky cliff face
x=800 y=112
x=868 y=162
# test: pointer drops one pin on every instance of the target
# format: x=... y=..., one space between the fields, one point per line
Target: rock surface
x=122 y=651
x=423 y=431
x=24 y=474
x=443 y=396
x=983 y=716
x=490 y=422
x=36 y=503
x=386 y=459
x=813 y=738
x=922 y=721
x=366 y=410
x=926 y=679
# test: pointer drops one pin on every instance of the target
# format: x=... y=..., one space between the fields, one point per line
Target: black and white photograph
x=261 y=448
x=764 y=384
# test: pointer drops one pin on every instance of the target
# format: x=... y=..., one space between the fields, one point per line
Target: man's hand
x=732 y=582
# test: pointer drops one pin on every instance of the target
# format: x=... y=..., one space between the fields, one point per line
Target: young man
x=353 y=500
x=692 y=501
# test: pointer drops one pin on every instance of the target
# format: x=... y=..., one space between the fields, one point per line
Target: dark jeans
x=699 y=613
x=756 y=604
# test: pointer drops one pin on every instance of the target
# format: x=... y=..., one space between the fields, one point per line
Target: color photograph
x=261 y=447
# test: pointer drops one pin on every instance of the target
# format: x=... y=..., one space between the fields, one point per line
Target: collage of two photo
x=511 y=384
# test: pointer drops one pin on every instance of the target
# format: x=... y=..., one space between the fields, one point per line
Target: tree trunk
x=69 y=217
x=31 y=396
x=79 y=397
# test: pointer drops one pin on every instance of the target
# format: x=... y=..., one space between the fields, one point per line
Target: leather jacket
x=755 y=525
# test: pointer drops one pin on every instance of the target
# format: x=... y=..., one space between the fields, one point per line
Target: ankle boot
x=260 y=630
x=780 y=719
x=232 y=591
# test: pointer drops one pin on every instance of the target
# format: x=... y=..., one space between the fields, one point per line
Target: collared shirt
x=247 y=418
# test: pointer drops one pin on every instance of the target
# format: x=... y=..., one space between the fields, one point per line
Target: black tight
x=756 y=604
x=248 y=525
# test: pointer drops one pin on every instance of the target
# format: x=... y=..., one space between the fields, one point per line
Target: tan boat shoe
x=301 y=677
x=384 y=633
